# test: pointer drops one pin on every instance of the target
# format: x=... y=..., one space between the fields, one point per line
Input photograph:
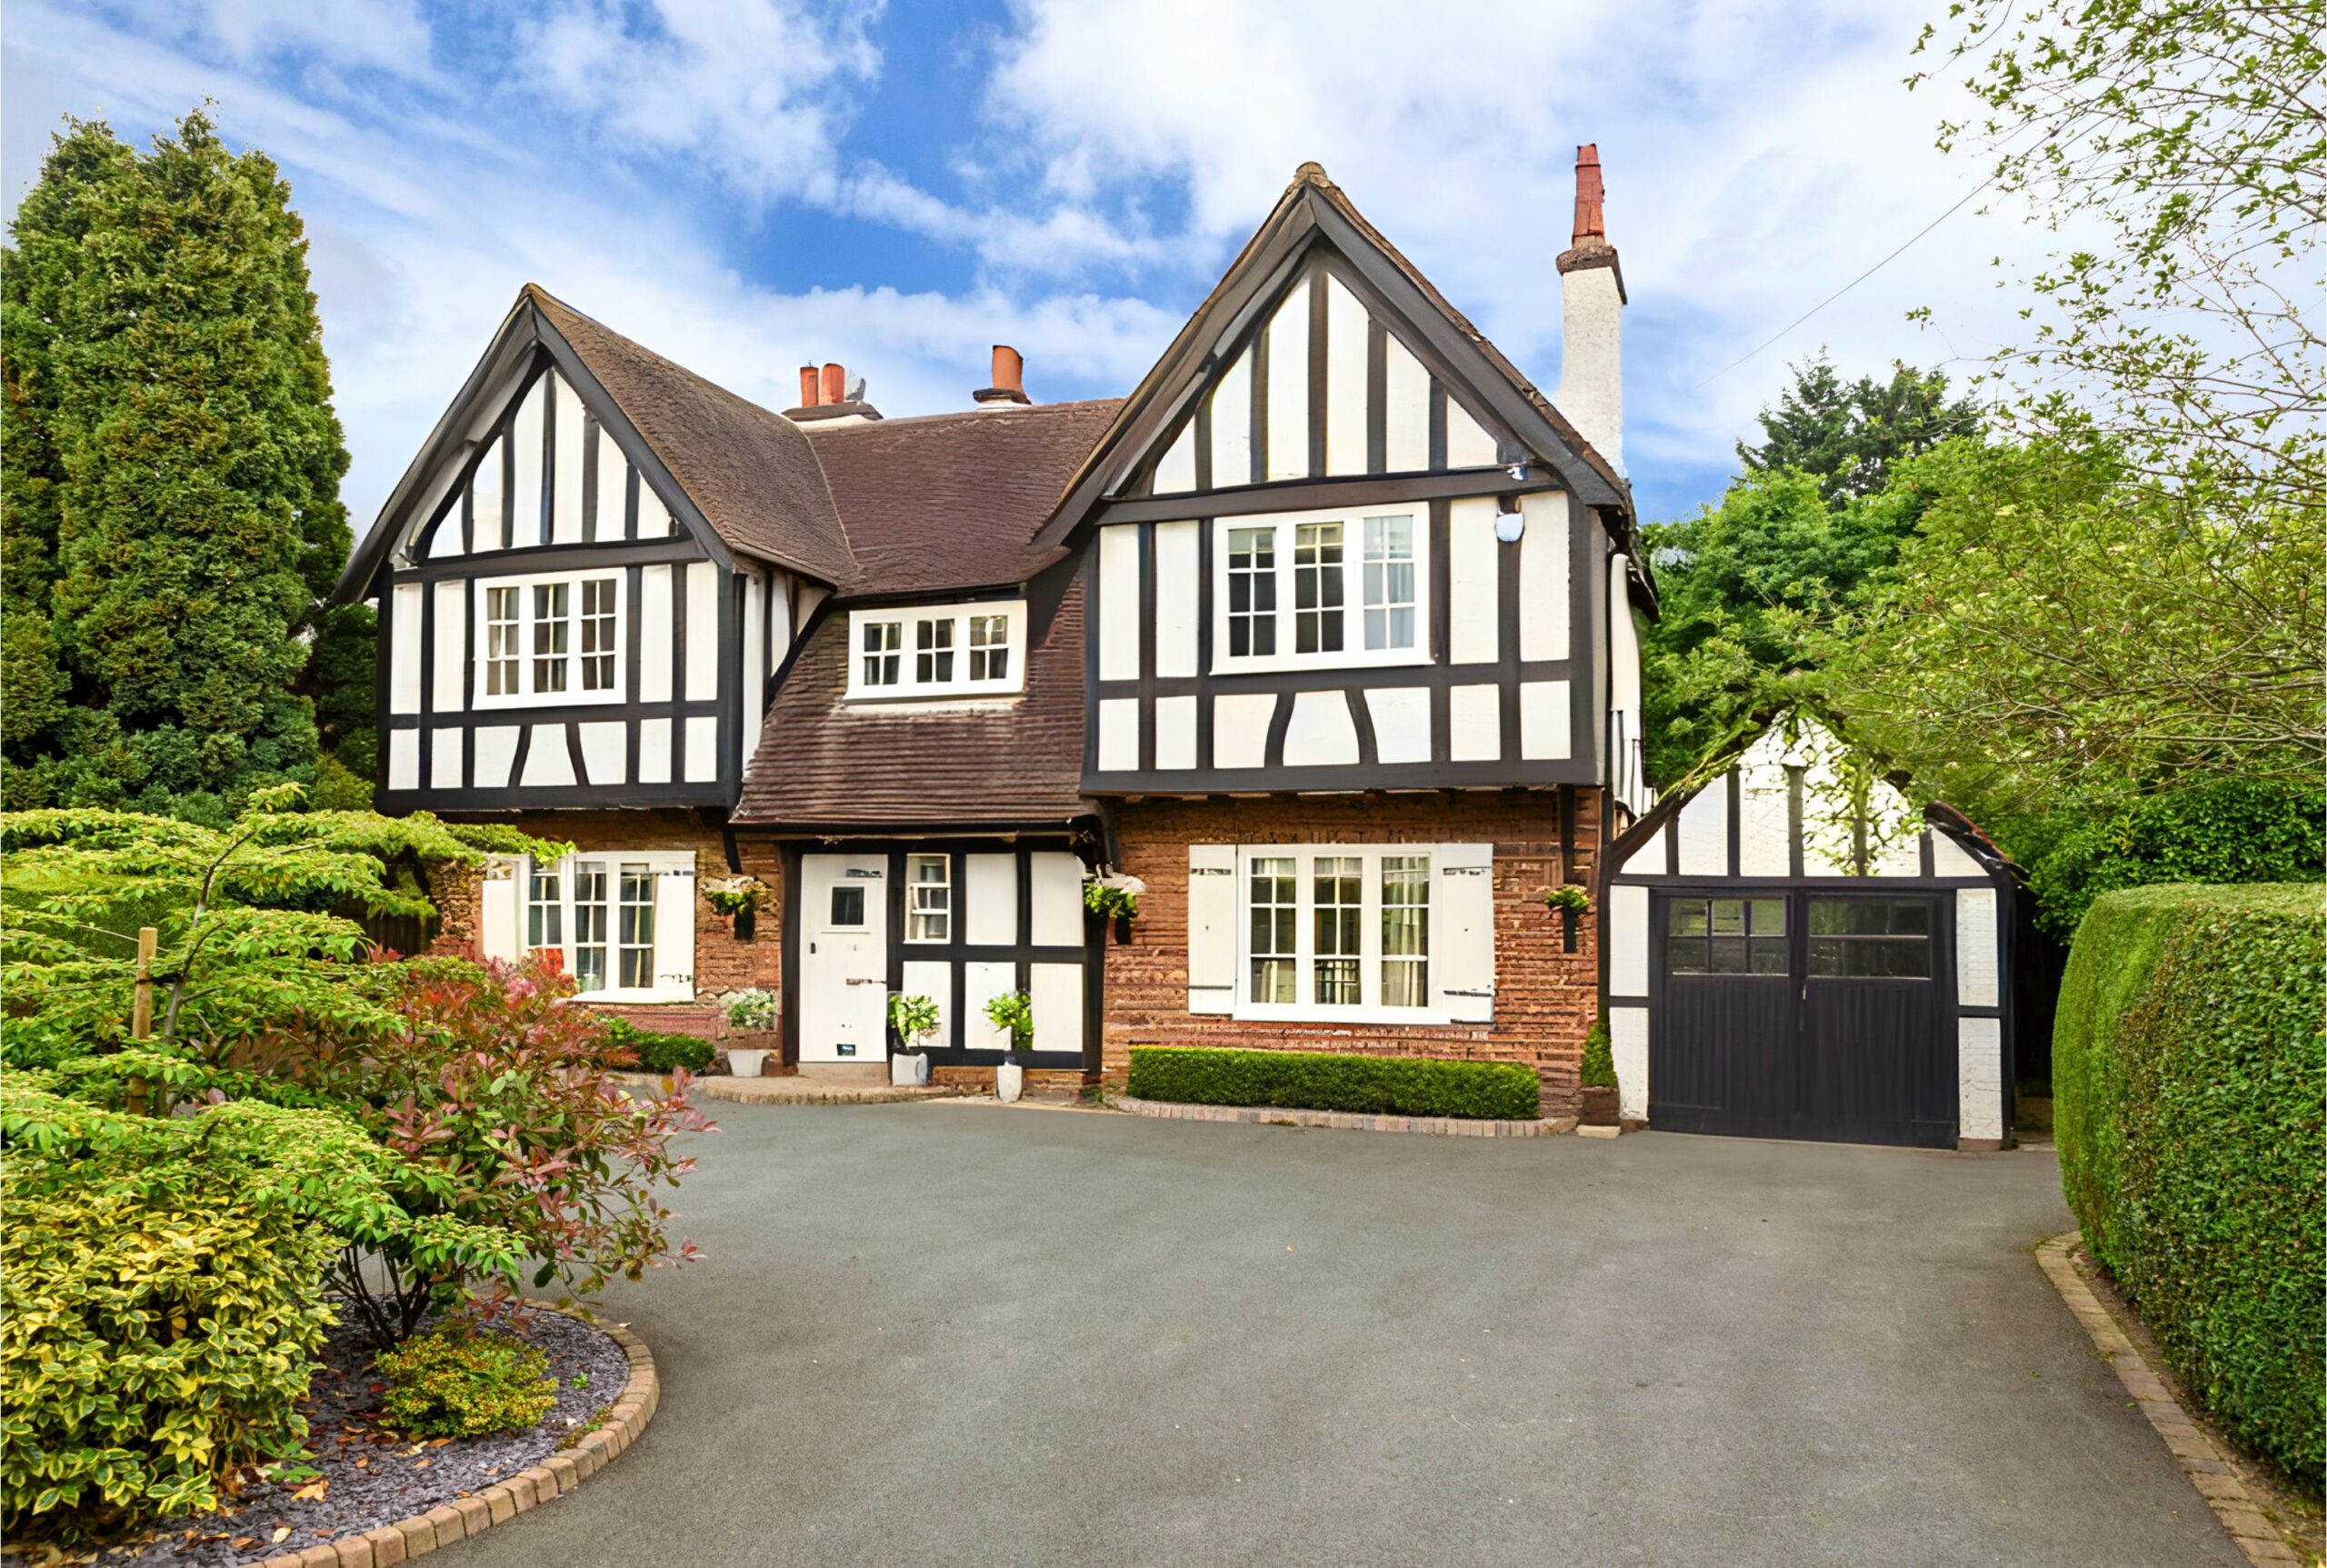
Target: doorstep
x=1359 y=1121
x=797 y=1091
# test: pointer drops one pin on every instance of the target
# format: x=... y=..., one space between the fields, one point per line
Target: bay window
x=550 y=639
x=1315 y=589
x=937 y=650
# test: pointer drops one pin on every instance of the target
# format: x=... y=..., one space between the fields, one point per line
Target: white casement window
x=929 y=898
x=937 y=651
x=623 y=922
x=1320 y=589
x=1382 y=933
x=552 y=639
x=883 y=663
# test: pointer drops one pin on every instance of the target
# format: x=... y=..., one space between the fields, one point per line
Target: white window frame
x=1369 y=1008
x=527 y=695
x=1353 y=654
x=660 y=863
x=943 y=910
x=908 y=619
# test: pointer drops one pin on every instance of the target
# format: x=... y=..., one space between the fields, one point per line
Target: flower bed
x=366 y=1478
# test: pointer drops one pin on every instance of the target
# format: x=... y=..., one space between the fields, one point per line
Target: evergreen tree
x=171 y=477
x=1847 y=435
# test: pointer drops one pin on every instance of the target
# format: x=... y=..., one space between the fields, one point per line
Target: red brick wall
x=1545 y=997
x=722 y=963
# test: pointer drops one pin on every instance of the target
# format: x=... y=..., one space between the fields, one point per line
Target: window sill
x=548 y=700
x=1251 y=1013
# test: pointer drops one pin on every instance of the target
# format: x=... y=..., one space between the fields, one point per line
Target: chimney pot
x=836 y=388
x=1009 y=372
x=808 y=398
x=1591 y=220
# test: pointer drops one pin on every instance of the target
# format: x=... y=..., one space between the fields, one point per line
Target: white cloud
x=1756 y=157
x=759 y=90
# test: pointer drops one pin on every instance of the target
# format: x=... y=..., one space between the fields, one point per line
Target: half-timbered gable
x=1334 y=541
x=589 y=578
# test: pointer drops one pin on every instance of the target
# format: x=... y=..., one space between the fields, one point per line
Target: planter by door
x=1009 y=1082
x=746 y=1064
x=1599 y=1107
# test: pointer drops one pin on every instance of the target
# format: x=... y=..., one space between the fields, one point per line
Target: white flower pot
x=746 y=1063
x=1009 y=1082
x=908 y=1070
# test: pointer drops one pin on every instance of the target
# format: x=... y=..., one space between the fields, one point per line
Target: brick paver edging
x=480 y=1511
x=2216 y=1482
x=1279 y=1116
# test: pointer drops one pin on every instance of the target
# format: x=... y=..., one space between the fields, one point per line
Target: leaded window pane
x=637 y=944
x=1317 y=587
x=1405 y=930
x=550 y=602
x=1273 y=913
x=1338 y=897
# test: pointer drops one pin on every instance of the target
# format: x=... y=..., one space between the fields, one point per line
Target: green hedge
x=2187 y=1064
x=1317 y=1081
x=657 y=1051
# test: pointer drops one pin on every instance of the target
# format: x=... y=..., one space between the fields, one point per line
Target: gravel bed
x=372 y=1477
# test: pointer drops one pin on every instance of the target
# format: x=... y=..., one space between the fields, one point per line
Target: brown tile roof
x=825 y=762
x=951 y=501
x=750 y=473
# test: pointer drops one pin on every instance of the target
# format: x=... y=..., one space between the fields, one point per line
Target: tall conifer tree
x=171 y=471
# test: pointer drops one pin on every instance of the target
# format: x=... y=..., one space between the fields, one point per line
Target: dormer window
x=1307 y=590
x=938 y=650
x=550 y=639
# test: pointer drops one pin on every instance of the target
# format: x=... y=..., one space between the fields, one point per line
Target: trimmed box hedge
x=2187 y=1064
x=658 y=1051
x=1322 y=1081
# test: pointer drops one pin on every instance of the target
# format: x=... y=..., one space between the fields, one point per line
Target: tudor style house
x=1325 y=634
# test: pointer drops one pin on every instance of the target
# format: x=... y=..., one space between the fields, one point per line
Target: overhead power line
x=1846 y=288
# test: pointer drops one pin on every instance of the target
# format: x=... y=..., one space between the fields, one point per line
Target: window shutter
x=497 y=911
x=1212 y=928
x=1462 y=954
x=675 y=928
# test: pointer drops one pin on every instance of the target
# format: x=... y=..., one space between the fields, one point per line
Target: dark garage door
x=1788 y=1013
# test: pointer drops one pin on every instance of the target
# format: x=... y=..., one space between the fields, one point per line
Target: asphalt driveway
x=946 y=1334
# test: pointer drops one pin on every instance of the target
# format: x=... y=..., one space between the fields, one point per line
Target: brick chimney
x=1592 y=288
x=1009 y=374
x=824 y=397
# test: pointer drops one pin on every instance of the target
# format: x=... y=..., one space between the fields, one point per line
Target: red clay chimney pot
x=836 y=383
x=808 y=386
x=1009 y=368
x=1590 y=222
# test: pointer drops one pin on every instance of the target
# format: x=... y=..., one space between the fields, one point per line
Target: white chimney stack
x=1592 y=341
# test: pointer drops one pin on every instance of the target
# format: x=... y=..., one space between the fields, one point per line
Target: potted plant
x=1015 y=1012
x=915 y=1019
x=1598 y=1079
x=753 y=1015
x=1116 y=899
x=737 y=897
x=1568 y=896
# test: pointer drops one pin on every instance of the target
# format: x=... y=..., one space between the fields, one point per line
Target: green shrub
x=657 y=1051
x=1320 y=1081
x=2235 y=831
x=2187 y=1061
x=1599 y=1070
x=459 y=1380
x=159 y=1328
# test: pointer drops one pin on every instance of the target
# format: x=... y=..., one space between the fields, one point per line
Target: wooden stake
x=141 y=1016
x=141 y=1011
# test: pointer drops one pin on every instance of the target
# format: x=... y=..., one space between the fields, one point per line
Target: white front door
x=844 y=960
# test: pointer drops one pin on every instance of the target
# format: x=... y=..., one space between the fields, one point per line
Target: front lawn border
x=560 y=1473
x=2217 y=1481
x=1286 y=1116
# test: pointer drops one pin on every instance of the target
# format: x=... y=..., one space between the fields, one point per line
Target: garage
x=1792 y=950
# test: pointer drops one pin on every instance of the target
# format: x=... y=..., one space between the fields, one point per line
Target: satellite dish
x=856 y=390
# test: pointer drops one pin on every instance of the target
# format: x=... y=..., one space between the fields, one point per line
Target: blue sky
x=749 y=184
